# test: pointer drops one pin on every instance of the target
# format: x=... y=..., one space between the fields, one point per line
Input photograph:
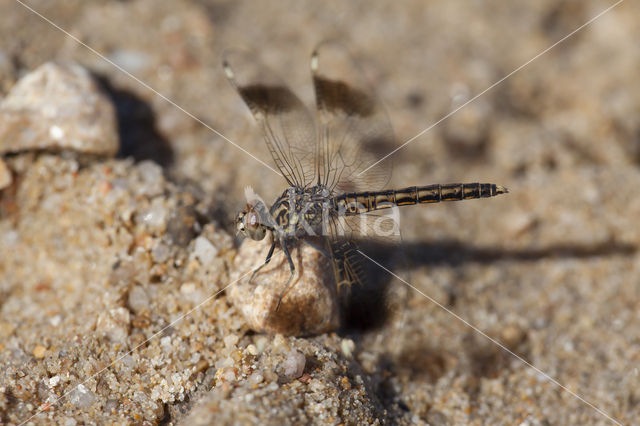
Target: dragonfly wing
x=351 y=122
x=382 y=226
x=348 y=263
x=287 y=124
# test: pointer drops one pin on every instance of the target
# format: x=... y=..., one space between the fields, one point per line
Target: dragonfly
x=333 y=198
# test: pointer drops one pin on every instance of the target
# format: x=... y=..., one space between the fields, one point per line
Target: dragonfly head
x=249 y=224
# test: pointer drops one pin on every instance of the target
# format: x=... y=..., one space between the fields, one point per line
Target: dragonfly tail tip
x=501 y=190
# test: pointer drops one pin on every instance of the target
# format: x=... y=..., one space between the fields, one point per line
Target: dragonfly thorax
x=299 y=212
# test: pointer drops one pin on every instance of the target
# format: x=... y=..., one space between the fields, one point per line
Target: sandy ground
x=113 y=270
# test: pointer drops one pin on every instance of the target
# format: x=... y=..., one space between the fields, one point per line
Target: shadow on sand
x=366 y=308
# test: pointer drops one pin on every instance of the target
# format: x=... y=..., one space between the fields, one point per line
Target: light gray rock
x=58 y=107
x=81 y=396
x=204 y=250
x=309 y=307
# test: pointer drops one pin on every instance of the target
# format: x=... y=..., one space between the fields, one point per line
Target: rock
x=138 y=300
x=160 y=252
x=512 y=336
x=181 y=224
x=114 y=323
x=437 y=418
x=39 y=351
x=466 y=131
x=58 y=107
x=152 y=179
x=347 y=346
x=134 y=61
x=5 y=175
x=204 y=250
x=82 y=396
x=155 y=216
x=53 y=382
x=230 y=340
x=309 y=307
x=294 y=364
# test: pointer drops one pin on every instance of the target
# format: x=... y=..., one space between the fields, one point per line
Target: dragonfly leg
x=292 y=268
x=267 y=260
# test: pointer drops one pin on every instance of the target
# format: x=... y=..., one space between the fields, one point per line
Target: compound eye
x=251 y=220
x=240 y=228
x=253 y=228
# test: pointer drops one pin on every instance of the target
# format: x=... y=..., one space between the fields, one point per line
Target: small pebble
x=467 y=130
x=10 y=238
x=53 y=382
x=55 y=320
x=272 y=387
x=204 y=250
x=82 y=396
x=114 y=323
x=230 y=340
x=305 y=378
x=512 y=336
x=347 y=346
x=252 y=349
x=227 y=374
x=294 y=364
x=155 y=216
x=181 y=225
x=152 y=179
x=255 y=378
x=279 y=342
x=111 y=406
x=192 y=293
x=345 y=383
x=261 y=343
x=165 y=342
x=39 y=351
x=437 y=418
x=160 y=252
x=188 y=288
x=138 y=299
x=134 y=61
x=519 y=223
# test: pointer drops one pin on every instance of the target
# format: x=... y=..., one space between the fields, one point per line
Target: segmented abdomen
x=363 y=202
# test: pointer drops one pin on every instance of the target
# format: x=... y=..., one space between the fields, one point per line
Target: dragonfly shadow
x=452 y=252
x=368 y=307
x=139 y=137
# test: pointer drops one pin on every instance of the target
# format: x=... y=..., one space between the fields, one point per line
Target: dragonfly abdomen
x=363 y=202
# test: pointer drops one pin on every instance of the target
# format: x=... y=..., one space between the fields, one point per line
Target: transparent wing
x=288 y=126
x=351 y=122
x=348 y=264
x=382 y=226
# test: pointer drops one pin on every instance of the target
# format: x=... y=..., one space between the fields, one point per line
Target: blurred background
x=551 y=269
